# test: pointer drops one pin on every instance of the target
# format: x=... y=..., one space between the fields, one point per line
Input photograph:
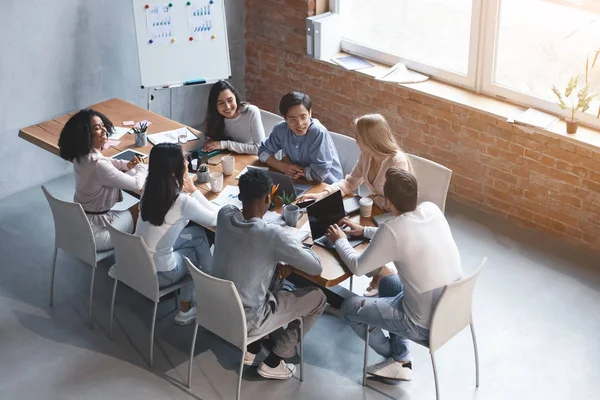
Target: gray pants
x=307 y=303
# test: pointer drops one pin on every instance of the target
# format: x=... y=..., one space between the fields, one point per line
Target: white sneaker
x=282 y=371
x=253 y=360
x=371 y=292
x=184 y=318
x=112 y=272
x=392 y=369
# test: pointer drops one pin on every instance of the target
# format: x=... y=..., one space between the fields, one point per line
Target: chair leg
x=192 y=355
x=112 y=309
x=301 y=350
x=152 y=335
x=176 y=300
x=476 y=355
x=366 y=357
x=92 y=298
x=351 y=285
x=435 y=377
x=239 y=384
x=52 y=277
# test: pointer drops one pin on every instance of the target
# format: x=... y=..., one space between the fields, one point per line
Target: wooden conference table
x=46 y=134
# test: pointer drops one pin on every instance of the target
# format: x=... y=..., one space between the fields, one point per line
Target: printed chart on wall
x=181 y=42
x=200 y=22
x=159 y=23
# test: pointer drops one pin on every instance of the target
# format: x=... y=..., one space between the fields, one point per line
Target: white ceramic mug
x=366 y=206
x=228 y=164
x=216 y=181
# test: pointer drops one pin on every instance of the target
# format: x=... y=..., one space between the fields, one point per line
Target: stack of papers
x=229 y=195
x=171 y=136
x=296 y=233
x=535 y=118
x=352 y=63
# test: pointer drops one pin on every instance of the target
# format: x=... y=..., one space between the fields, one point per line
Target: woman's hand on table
x=334 y=232
x=211 y=146
x=135 y=161
x=352 y=228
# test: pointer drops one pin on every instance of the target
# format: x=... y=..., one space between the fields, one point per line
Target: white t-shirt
x=160 y=239
x=244 y=132
x=423 y=250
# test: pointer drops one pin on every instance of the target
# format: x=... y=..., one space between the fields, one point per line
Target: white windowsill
x=486 y=104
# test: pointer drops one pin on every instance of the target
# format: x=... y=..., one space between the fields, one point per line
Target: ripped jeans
x=359 y=311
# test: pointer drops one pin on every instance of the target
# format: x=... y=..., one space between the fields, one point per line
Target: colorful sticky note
x=128 y=123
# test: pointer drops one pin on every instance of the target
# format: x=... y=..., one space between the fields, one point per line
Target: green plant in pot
x=287 y=198
x=575 y=99
x=140 y=134
x=203 y=173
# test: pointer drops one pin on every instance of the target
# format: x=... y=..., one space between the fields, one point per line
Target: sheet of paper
x=118 y=133
x=171 y=136
x=272 y=217
x=229 y=195
x=246 y=170
x=200 y=20
x=400 y=74
x=298 y=234
x=159 y=23
x=111 y=143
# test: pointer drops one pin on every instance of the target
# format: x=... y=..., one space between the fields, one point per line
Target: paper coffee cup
x=366 y=206
x=228 y=164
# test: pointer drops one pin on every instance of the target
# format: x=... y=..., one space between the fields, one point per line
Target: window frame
x=481 y=63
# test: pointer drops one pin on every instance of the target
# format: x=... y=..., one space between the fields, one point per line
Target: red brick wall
x=542 y=182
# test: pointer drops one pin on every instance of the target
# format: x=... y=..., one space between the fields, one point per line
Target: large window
x=513 y=49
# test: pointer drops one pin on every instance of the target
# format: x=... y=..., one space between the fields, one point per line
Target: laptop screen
x=325 y=212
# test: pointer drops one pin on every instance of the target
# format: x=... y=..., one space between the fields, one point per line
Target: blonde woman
x=379 y=152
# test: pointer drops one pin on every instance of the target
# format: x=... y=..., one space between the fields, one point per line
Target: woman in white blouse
x=99 y=179
x=170 y=200
x=379 y=152
x=230 y=123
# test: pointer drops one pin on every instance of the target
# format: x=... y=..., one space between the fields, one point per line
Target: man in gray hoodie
x=247 y=251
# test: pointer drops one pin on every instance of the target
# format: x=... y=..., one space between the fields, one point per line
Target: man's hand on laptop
x=352 y=228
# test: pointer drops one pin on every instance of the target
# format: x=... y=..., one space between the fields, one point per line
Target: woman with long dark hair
x=230 y=123
x=170 y=200
x=99 y=179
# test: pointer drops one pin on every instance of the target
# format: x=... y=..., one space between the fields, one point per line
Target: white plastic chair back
x=453 y=310
x=72 y=229
x=226 y=318
x=133 y=264
x=269 y=120
x=433 y=180
x=347 y=149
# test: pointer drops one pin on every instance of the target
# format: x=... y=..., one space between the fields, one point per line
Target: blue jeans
x=360 y=311
x=193 y=244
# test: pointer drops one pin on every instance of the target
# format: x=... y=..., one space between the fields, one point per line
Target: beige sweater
x=360 y=173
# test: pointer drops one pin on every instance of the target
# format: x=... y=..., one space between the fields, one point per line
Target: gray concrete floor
x=536 y=315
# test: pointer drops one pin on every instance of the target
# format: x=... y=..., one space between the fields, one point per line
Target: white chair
x=347 y=149
x=453 y=313
x=135 y=268
x=269 y=120
x=433 y=180
x=226 y=318
x=73 y=234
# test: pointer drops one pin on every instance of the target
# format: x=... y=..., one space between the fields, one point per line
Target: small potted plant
x=140 y=134
x=291 y=212
x=575 y=101
x=203 y=173
x=287 y=199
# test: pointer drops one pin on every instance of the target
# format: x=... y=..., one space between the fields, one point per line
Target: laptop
x=286 y=184
x=326 y=212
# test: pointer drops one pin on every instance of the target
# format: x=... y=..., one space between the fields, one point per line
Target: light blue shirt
x=314 y=151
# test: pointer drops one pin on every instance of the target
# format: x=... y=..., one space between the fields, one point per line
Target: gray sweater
x=245 y=132
x=247 y=252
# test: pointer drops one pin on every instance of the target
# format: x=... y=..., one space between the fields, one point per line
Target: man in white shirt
x=419 y=242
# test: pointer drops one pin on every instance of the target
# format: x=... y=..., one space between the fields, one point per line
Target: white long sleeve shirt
x=160 y=239
x=98 y=183
x=245 y=132
x=423 y=250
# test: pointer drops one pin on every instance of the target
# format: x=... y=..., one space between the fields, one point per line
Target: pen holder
x=141 y=139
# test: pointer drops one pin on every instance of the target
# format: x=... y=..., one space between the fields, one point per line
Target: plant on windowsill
x=203 y=173
x=574 y=100
x=140 y=134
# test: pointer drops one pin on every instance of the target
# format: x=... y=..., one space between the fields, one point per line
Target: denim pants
x=193 y=244
x=360 y=311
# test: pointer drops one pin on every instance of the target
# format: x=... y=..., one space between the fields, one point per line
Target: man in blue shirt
x=304 y=140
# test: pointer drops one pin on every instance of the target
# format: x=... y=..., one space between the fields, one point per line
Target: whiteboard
x=181 y=41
